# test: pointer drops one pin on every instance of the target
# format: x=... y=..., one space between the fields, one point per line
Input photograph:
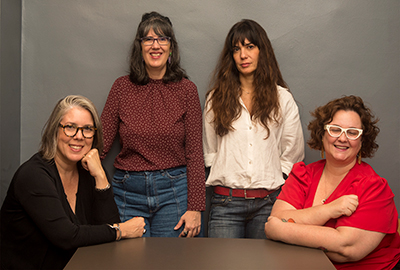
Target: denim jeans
x=160 y=197
x=232 y=217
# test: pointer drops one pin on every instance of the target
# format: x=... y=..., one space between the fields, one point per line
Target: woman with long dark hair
x=156 y=112
x=252 y=133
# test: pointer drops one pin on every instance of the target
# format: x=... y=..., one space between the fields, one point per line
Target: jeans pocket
x=176 y=173
x=219 y=200
x=120 y=176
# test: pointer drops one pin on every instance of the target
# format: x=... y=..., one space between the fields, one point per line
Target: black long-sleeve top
x=38 y=227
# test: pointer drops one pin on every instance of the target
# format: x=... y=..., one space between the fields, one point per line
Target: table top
x=198 y=253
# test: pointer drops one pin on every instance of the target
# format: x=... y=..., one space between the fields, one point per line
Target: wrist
x=118 y=231
x=103 y=189
x=100 y=177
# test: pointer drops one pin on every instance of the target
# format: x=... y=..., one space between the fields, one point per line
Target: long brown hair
x=225 y=85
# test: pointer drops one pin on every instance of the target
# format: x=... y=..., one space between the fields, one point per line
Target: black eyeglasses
x=148 y=41
x=71 y=130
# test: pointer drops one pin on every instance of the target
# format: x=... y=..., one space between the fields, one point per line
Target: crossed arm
x=342 y=244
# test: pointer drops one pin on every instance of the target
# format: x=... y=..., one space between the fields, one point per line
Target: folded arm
x=342 y=244
x=319 y=214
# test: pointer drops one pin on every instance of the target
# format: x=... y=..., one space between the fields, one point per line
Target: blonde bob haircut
x=48 y=145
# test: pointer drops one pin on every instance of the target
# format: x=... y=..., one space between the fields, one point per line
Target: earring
x=322 y=151
x=169 y=58
x=359 y=157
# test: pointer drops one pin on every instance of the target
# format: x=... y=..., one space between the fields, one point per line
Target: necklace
x=335 y=180
x=247 y=91
x=325 y=192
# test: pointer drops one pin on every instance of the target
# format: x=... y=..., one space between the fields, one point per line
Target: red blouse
x=376 y=210
x=160 y=127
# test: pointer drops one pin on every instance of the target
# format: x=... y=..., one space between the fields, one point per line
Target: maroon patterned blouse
x=160 y=127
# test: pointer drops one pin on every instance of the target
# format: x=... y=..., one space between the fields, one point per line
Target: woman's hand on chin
x=91 y=162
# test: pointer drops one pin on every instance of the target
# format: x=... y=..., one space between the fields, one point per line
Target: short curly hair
x=324 y=114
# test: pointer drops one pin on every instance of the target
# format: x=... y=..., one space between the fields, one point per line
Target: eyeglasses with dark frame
x=148 y=41
x=336 y=131
x=71 y=130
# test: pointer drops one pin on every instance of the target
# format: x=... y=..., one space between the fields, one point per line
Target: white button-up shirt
x=243 y=158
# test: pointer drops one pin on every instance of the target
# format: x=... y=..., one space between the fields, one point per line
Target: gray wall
x=325 y=49
x=10 y=91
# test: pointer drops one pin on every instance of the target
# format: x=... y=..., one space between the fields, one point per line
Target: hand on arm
x=192 y=221
x=343 y=206
x=319 y=214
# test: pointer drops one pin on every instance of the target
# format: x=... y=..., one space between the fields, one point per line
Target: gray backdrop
x=326 y=49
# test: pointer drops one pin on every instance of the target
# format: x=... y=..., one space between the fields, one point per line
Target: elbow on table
x=65 y=241
x=66 y=244
x=347 y=254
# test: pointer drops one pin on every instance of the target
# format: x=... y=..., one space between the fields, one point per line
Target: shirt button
x=250 y=128
x=250 y=162
x=251 y=144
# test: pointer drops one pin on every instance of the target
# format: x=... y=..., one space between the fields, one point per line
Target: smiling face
x=341 y=149
x=155 y=57
x=246 y=57
x=70 y=150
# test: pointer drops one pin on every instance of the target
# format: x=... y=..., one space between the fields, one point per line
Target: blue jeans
x=160 y=197
x=232 y=217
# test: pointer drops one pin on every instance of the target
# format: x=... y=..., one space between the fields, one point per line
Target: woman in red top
x=339 y=204
x=156 y=112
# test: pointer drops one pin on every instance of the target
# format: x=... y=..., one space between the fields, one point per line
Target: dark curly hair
x=162 y=26
x=323 y=115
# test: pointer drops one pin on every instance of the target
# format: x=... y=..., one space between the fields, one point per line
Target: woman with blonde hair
x=60 y=199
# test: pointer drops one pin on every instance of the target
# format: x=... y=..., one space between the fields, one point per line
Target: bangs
x=242 y=33
x=160 y=28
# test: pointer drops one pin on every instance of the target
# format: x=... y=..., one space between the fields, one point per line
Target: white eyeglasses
x=336 y=131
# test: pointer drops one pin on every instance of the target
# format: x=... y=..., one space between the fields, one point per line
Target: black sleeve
x=99 y=206
x=39 y=191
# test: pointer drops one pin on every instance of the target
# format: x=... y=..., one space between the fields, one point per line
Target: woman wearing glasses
x=156 y=112
x=340 y=204
x=60 y=199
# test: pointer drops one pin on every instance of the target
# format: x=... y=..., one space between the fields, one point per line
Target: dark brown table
x=198 y=253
